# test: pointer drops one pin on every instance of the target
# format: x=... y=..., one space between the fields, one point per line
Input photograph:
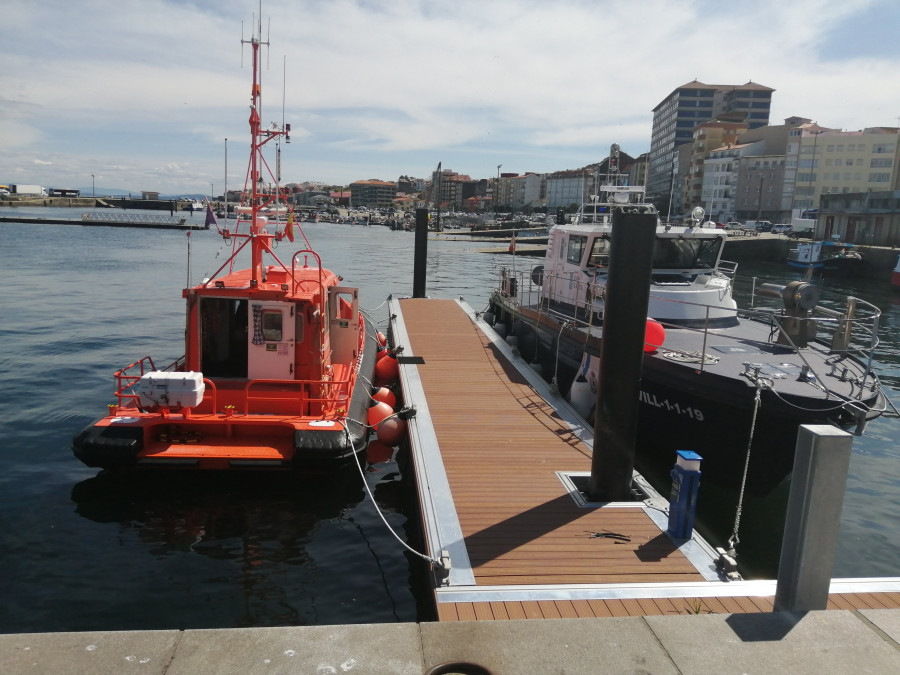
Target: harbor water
x=82 y=550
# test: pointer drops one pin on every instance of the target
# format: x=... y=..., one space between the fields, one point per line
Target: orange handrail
x=125 y=380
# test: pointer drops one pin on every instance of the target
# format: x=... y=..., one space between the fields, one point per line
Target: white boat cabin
x=689 y=283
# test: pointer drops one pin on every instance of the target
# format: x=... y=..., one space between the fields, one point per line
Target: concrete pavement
x=835 y=641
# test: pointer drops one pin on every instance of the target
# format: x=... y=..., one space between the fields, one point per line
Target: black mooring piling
x=621 y=355
x=421 y=253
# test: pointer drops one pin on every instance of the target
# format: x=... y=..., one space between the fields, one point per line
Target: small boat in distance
x=828 y=258
x=278 y=358
x=715 y=378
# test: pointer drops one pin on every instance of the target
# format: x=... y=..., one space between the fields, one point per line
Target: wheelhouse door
x=270 y=341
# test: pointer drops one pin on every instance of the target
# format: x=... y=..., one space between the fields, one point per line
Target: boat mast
x=226 y=183
x=255 y=149
x=259 y=237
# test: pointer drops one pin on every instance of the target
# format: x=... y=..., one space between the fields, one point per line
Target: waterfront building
x=517 y=192
x=450 y=189
x=697 y=188
x=637 y=173
x=760 y=182
x=847 y=162
x=373 y=193
x=681 y=164
x=675 y=118
x=567 y=188
x=871 y=218
x=312 y=198
x=574 y=187
x=721 y=177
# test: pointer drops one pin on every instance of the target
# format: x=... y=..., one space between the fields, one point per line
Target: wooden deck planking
x=501 y=445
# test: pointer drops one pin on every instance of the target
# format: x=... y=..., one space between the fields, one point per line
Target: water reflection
x=264 y=548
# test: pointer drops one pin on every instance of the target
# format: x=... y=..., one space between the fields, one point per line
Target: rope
x=374 y=309
x=554 y=385
x=537 y=329
x=590 y=319
x=432 y=561
x=734 y=540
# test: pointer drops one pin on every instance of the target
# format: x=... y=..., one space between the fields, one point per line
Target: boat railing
x=846 y=325
x=307 y=252
x=334 y=393
x=582 y=300
x=727 y=268
x=129 y=376
x=299 y=397
x=850 y=330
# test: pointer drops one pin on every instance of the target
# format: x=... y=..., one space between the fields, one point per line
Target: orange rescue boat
x=278 y=358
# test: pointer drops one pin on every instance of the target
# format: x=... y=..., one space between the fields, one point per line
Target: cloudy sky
x=143 y=93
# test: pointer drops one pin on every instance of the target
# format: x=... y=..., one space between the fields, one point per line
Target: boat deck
x=498 y=470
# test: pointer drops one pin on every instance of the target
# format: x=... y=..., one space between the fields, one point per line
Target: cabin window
x=599 y=253
x=271 y=325
x=575 y=250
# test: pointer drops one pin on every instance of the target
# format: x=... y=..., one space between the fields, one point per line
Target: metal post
x=421 y=253
x=621 y=355
x=821 y=461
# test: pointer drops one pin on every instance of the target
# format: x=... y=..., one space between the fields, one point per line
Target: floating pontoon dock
x=499 y=459
x=114 y=218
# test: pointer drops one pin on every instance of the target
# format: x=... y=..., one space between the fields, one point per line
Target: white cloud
x=148 y=91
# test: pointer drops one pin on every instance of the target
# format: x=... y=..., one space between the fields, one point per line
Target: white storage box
x=163 y=388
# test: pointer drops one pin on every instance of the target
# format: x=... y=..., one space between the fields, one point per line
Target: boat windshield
x=686 y=254
x=599 y=252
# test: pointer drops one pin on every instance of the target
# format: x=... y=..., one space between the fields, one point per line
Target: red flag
x=512 y=243
x=289 y=228
x=211 y=217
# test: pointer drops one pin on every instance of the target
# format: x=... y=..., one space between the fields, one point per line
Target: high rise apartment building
x=691 y=104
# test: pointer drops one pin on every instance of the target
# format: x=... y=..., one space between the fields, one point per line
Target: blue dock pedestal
x=683 y=500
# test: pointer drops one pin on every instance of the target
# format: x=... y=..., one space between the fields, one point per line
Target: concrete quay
x=833 y=641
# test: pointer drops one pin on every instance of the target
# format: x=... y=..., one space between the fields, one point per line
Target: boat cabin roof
x=278 y=284
x=662 y=231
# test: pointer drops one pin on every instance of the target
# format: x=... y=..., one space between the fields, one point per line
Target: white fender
x=581 y=397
